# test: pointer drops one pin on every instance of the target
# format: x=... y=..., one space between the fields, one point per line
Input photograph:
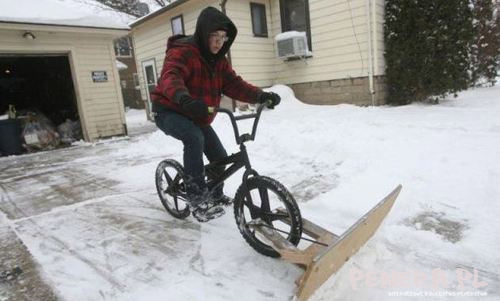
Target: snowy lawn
x=338 y=161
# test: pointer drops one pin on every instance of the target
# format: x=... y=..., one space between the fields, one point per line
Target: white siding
x=252 y=57
x=339 y=43
x=339 y=32
x=100 y=105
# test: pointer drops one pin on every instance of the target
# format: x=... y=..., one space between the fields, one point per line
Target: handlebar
x=245 y=137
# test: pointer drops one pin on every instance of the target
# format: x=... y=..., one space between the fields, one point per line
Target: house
x=57 y=57
x=344 y=64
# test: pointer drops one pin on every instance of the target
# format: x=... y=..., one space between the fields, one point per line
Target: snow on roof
x=120 y=65
x=79 y=13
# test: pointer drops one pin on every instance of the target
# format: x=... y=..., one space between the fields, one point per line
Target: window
x=295 y=16
x=177 y=25
x=150 y=79
x=259 y=24
x=137 y=83
x=123 y=46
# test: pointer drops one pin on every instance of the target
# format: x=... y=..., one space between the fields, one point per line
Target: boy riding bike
x=194 y=76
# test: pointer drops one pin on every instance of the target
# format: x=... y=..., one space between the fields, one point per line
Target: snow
x=117 y=243
x=290 y=34
x=121 y=66
x=87 y=13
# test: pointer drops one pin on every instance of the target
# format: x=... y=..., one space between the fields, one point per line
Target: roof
x=157 y=13
x=76 y=13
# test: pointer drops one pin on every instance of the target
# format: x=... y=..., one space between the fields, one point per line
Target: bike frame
x=240 y=159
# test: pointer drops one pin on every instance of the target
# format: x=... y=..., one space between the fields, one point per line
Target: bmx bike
x=259 y=199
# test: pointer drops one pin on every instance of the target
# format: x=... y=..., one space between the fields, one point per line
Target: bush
x=485 y=51
x=428 y=44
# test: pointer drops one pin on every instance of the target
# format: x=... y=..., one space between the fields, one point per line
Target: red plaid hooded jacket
x=191 y=69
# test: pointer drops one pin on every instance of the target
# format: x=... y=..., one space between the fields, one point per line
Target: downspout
x=370 y=49
x=223 y=9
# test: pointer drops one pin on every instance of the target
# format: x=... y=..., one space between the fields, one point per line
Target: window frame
x=262 y=6
x=308 y=21
x=151 y=62
x=117 y=47
x=173 y=19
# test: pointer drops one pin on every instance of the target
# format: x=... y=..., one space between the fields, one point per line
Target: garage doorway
x=40 y=84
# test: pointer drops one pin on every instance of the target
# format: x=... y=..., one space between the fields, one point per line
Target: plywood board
x=331 y=259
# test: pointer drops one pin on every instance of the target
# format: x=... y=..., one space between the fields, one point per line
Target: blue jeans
x=197 y=141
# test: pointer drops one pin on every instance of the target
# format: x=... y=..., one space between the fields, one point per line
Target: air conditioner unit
x=291 y=44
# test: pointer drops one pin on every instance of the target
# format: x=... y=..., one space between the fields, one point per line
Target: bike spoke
x=254 y=210
x=271 y=217
x=172 y=183
x=169 y=179
x=176 y=203
x=265 y=207
x=176 y=179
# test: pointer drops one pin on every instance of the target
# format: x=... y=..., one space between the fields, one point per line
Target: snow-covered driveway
x=84 y=223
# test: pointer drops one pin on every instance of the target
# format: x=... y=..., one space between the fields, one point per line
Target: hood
x=210 y=20
x=179 y=40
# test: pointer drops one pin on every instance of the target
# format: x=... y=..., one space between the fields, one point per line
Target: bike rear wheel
x=171 y=189
x=261 y=198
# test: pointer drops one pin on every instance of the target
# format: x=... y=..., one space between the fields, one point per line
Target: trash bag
x=39 y=133
x=69 y=131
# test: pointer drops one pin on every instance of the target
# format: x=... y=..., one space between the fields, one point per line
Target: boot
x=206 y=211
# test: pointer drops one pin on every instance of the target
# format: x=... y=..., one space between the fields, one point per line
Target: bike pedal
x=211 y=213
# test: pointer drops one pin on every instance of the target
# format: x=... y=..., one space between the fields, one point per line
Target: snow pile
x=87 y=13
x=121 y=66
x=135 y=118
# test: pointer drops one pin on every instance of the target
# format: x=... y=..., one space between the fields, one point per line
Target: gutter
x=370 y=49
x=223 y=9
x=69 y=26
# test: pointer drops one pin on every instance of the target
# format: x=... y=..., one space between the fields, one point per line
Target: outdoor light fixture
x=28 y=35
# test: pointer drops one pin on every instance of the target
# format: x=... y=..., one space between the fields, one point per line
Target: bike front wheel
x=267 y=201
x=171 y=189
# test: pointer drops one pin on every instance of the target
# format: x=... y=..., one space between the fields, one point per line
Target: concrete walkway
x=52 y=207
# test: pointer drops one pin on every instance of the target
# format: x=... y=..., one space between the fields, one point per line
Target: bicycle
x=259 y=199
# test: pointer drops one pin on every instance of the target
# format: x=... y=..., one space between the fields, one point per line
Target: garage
x=58 y=69
x=39 y=83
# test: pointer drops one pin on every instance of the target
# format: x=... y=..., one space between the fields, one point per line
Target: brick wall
x=353 y=91
x=131 y=96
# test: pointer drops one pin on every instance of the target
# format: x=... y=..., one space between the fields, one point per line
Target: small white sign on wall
x=99 y=76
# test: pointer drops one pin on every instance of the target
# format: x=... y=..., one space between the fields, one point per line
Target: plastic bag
x=69 y=131
x=39 y=133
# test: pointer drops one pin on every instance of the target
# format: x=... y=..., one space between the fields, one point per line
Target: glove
x=195 y=107
x=271 y=96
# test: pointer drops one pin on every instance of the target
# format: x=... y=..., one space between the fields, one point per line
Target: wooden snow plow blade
x=331 y=251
